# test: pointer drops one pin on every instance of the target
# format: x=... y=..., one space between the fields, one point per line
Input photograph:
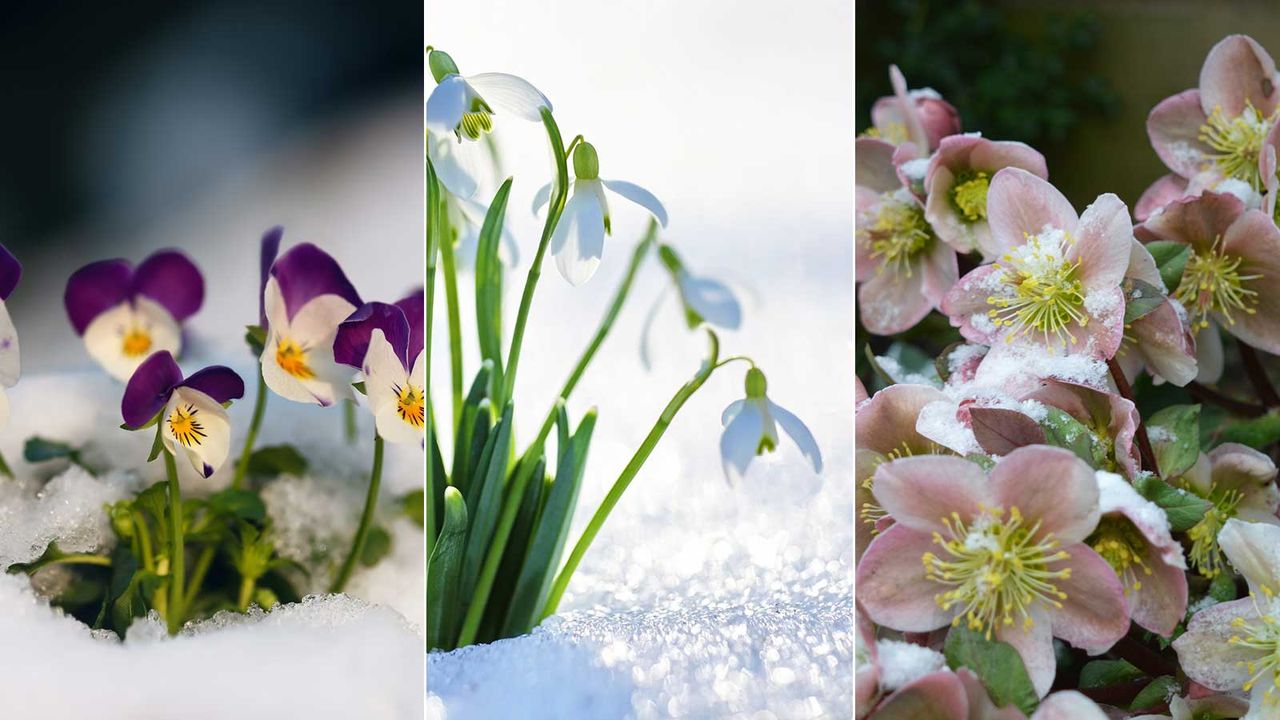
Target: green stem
x=433 y=243
x=197 y=575
x=176 y=549
x=366 y=520
x=449 y=269
x=143 y=533
x=259 y=408
x=628 y=474
x=246 y=592
x=349 y=420
x=560 y=191
x=77 y=559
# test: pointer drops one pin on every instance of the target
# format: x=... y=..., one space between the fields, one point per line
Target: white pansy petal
x=318 y=320
x=10 y=358
x=277 y=379
x=800 y=433
x=382 y=372
x=639 y=196
x=510 y=93
x=195 y=426
x=122 y=337
x=711 y=299
x=273 y=305
x=456 y=163
x=4 y=409
x=393 y=428
x=418 y=375
x=579 y=237
x=447 y=104
x=741 y=439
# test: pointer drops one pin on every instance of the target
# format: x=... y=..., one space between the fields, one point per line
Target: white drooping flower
x=751 y=429
x=703 y=299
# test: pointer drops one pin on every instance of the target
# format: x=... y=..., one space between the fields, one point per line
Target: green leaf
x=360 y=388
x=1223 y=587
x=274 y=460
x=1062 y=430
x=1157 y=693
x=376 y=546
x=488 y=272
x=414 y=506
x=997 y=665
x=1140 y=298
x=255 y=336
x=443 y=569
x=243 y=504
x=488 y=501
x=157 y=445
x=1257 y=433
x=1175 y=438
x=984 y=461
x=1184 y=509
x=1101 y=673
x=38 y=449
x=1171 y=260
x=4 y=467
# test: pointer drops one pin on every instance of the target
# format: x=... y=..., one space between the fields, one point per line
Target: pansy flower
x=386 y=343
x=920 y=117
x=1238 y=482
x=193 y=422
x=10 y=360
x=461 y=112
x=125 y=313
x=1058 y=287
x=307 y=295
x=956 y=184
x=751 y=429
x=1003 y=554
x=578 y=242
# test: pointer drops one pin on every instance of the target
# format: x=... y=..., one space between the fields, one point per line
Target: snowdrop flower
x=125 y=314
x=751 y=429
x=1004 y=554
x=386 y=343
x=466 y=217
x=193 y=420
x=578 y=242
x=10 y=361
x=307 y=295
x=1238 y=482
x=703 y=300
x=461 y=112
x=919 y=117
x=1058 y=288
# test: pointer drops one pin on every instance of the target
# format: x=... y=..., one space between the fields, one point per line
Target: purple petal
x=171 y=279
x=10 y=272
x=149 y=388
x=267 y=255
x=95 y=288
x=306 y=272
x=352 y=341
x=218 y=382
x=414 y=307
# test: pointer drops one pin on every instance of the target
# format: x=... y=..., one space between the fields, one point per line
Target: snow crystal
x=915 y=169
x=1251 y=198
x=1102 y=304
x=902 y=663
x=963 y=355
x=69 y=509
x=938 y=422
x=924 y=93
x=900 y=374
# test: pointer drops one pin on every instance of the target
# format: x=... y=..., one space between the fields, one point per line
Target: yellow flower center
x=898 y=235
x=871 y=512
x=1262 y=635
x=1123 y=547
x=969 y=195
x=997 y=568
x=292 y=358
x=1042 y=293
x=1205 y=554
x=1212 y=283
x=1237 y=142
x=894 y=132
x=185 y=425
x=136 y=342
x=410 y=405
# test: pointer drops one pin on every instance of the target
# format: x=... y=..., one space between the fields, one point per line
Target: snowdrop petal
x=639 y=196
x=711 y=299
x=741 y=438
x=541 y=198
x=646 y=331
x=122 y=337
x=578 y=243
x=447 y=104
x=196 y=426
x=798 y=432
x=510 y=93
x=456 y=164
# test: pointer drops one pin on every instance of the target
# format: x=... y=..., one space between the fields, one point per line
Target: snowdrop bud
x=756 y=384
x=441 y=65
x=586 y=164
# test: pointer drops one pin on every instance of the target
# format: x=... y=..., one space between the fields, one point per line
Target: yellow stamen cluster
x=871 y=511
x=969 y=195
x=1042 y=294
x=1263 y=636
x=292 y=358
x=186 y=426
x=1212 y=283
x=411 y=405
x=893 y=132
x=1238 y=142
x=136 y=342
x=475 y=124
x=1205 y=553
x=1123 y=547
x=997 y=569
x=899 y=235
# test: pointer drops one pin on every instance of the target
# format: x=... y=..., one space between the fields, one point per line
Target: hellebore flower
x=960 y=695
x=1236 y=645
x=381 y=341
x=751 y=429
x=920 y=117
x=578 y=242
x=1238 y=482
x=1059 y=285
x=703 y=299
x=1211 y=707
x=1133 y=536
x=189 y=410
x=903 y=268
x=1109 y=418
x=866 y=664
x=125 y=314
x=1217 y=132
x=306 y=297
x=1160 y=339
x=1003 y=554
x=461 y=112
x=956 y=186
x=1232 y=268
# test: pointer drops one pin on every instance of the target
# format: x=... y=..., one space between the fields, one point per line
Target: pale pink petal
x=892 y=586
x=873 y=165
x=1162 y=192
x=1106 y=327
x=866 y=670
x=968 y=298
x=1142 y=266
x=942 y=214
x=865 y=463
x=1166 y=344
x=1020 y=204
x=1251 y=473
x=1050 y=486
x=1255 y=238
x=887 y=422
x=938 y=118
x=1094 y=615
x=1205 y=650
x=1068 y=705
x=1238 y=71
x=1035 y=645
x=940 y=271
x=1196 y=220
x=1174 y=129
x=1161 y=603
x=891 y=303
x=980 y=705
x=997 y=155
x=923 y=492
x=1102 y=240
x=1254 y=550
x=1210 y=355
x=937 y=696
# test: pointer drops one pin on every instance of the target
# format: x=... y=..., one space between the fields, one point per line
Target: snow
x=902 y=663
x=915 y=169
x=68 y=508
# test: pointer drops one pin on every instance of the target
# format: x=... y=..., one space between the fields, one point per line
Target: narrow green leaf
x=1101 y=673
x=243 y=504
x=38 y=449
x=997 y=665
x=1140 y=298
x=1157 y=693
x=489 y=501
x=488 y=272
x=1183 y=508
x=443 y=569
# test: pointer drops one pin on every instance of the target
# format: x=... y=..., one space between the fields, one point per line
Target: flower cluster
x=1080 y=490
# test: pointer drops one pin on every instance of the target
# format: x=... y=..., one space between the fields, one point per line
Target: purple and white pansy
x=386 y=342
x=125 y=313
x=193 y=422
x=305 y=298
x=10 y=362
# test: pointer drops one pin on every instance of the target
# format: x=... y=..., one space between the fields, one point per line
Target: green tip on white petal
x=441 y=65
x=756 y=384
x=586 y=164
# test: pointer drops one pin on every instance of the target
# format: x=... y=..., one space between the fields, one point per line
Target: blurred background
x=198 y=124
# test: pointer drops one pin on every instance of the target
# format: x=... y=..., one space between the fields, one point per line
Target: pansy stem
x=628 y=474
x=1210 y=396
x=176 y=548
x=366 y=520
x=246 y=592
x=1258 y=375
x=1144 y=442
x=349 y=420
x=259 y=408
x=197 y=574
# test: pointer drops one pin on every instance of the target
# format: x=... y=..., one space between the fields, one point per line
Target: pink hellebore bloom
x=919 y=117
x=1217 y=132
x=1112 y=419
x=1231 y=273
x=1236 y=645
x=1213 y=706
x=1160 y=340
x=903 y=267
x=1238 y=482
x=1004 y=554
x=1059 y=285
x=959 y=695
x=957 y=182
